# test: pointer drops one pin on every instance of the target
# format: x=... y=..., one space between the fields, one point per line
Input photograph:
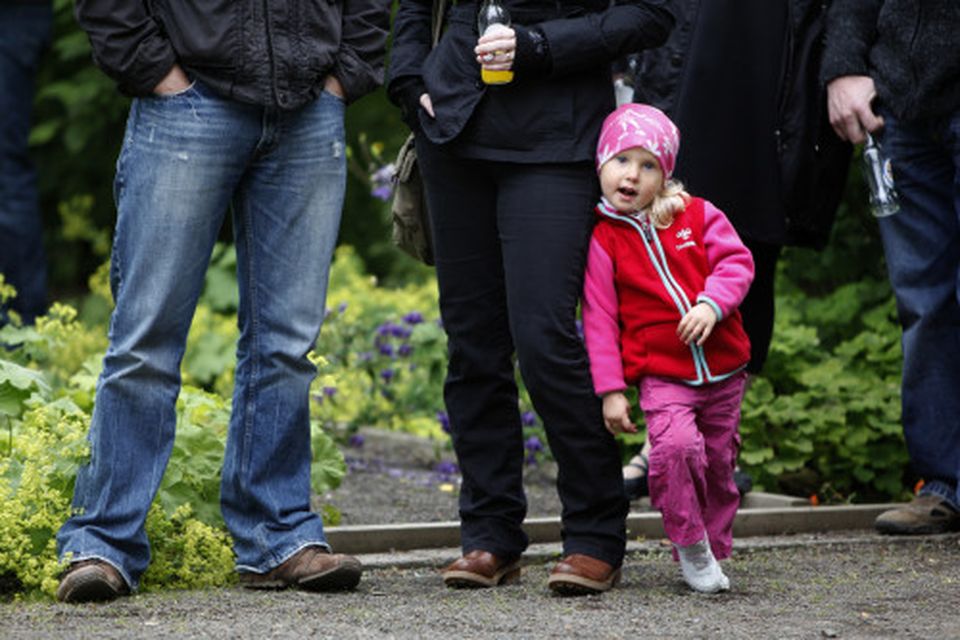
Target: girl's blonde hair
x=671 y=200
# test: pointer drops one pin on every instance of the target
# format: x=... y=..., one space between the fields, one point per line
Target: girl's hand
x=697 y=324
x=496 y=48
x=427 y=104
x=616 y=413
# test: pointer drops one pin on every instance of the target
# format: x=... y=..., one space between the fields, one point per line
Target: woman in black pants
x=511 y=186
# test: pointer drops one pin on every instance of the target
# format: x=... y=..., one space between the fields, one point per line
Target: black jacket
x=910 y=48
x=552 y=113
x=740 y=78
x=266 y=52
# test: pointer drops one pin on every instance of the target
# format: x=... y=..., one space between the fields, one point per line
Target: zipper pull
x=647 y=231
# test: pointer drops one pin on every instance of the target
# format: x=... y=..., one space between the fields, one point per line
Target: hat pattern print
x=640 y=125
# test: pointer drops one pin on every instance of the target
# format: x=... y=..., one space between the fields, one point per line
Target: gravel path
x=860 y=586
x=846 y=585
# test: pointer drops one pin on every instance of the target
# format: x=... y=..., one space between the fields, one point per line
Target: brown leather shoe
x=578 y=575
x=91 y=581
x=312 y=569
x=481 y=569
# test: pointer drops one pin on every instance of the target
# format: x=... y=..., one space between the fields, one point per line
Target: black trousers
x=510 y=243
x=757 y=309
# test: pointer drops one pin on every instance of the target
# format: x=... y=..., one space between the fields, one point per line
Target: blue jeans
x=922 y=248
x=24 y=34
x=186 y=159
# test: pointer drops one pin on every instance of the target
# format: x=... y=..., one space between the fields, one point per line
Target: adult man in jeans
x=24 y=34
x=893 y=68
x=238 y=105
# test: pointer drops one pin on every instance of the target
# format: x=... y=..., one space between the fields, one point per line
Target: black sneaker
x=637 y=487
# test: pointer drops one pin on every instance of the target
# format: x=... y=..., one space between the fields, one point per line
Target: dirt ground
x=863 y=586
x=840 y=585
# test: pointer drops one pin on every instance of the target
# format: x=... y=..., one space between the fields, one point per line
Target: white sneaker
x=700 y=569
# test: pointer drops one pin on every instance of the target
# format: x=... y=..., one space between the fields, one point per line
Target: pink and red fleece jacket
x=639 y=283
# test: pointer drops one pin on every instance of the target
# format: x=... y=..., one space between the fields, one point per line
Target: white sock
x=700 y=569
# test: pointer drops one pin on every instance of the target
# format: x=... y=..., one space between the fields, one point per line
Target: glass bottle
x=878 y=172
x=493 y=16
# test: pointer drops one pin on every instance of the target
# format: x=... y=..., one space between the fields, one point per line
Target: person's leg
x=757 y=308
x=181 y=158
x=635 y=483
x=545 y=238
x=24 y=34
x=286 y=216
x=679 y=477
x=480 y=389
x=922 y=250
x=678 y=462
x=718 y=420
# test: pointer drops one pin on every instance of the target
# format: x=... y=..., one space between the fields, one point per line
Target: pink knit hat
x=639 y=125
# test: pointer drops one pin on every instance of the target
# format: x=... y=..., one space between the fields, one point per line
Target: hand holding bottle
x=878 y=173
x=497 y=44
x=496 y=48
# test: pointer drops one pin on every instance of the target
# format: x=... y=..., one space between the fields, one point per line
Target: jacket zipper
x=270 y=56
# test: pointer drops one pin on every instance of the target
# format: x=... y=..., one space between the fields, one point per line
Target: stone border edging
x=433 y=559
x=750 y=521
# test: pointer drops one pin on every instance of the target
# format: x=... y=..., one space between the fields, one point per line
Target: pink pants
x=694 y=443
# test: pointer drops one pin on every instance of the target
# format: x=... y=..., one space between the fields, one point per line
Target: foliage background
x=823 y=419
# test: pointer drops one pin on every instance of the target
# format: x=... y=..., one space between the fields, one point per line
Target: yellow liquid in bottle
x=496 y=77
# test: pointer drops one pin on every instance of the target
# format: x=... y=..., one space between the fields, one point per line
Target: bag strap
x=436 y=27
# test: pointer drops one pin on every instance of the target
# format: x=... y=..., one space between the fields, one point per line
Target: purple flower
x=382 y=192
x=387 y=375
x=386 y=349
x=405 y=350
x=364 y=356
x=342 y=307
x=385 y=329
x=382 y=182
x=444 y=421
x=445 y=468
x=580 y=329
x=528 y=418
x=533 y=444
x=384 y=173
x=414 y=317
x=356 y=441
x=330 y=391
x=399 y=331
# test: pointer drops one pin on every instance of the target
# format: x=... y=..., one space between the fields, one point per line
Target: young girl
x=665 y=273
